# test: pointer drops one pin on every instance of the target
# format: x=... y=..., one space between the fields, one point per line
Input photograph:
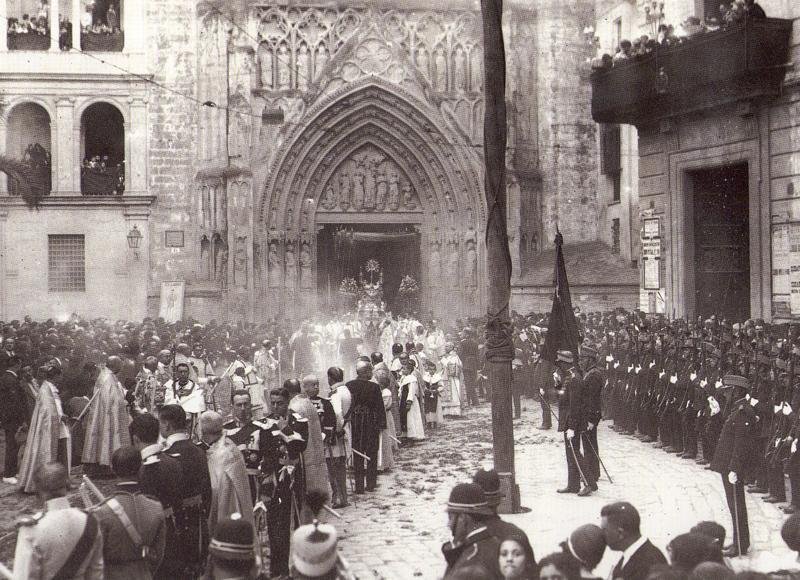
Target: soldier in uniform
x=192 y=518
x=63 y=542
x=593 y=381
x=133 y=524
x=730 y=459
x=571 y=421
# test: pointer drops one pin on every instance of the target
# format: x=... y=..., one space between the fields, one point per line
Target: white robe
x=415 y=426
x=453 y=377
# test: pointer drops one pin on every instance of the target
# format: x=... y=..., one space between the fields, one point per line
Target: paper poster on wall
x=171 y=309
x=794 y=264
x=780 y=259
x=651 y=263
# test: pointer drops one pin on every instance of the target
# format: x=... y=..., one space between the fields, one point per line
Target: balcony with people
x=739 y=56
x=102 y=150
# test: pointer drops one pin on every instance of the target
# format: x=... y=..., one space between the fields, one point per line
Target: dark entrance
x=343 y=250
x=722 y=242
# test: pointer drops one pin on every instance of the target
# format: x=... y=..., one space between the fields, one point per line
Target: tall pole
x=499 y=344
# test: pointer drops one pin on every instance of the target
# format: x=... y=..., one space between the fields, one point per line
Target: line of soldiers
x=681 y=385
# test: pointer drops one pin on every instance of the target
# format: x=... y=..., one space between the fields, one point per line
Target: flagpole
x=499 y=344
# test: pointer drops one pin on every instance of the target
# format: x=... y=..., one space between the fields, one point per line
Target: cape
x=316 y=470
x=106 y=421
x=42 y=444
x=230 y=488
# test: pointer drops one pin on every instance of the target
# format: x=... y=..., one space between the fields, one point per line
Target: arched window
x=102 y=150
x=28 y=142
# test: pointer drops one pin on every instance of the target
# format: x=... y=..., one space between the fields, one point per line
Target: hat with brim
x=489 y=481
x=468 y=498
x=735 y=381
x=233 y=539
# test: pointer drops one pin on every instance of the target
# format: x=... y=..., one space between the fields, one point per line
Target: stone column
x=3 y=285
x=3 y=26
x=136 y=148
x=54 y=26
x=65 y=181
x=76 y=24
x=3 y=129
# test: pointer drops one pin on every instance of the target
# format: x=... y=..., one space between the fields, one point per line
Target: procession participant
x=192 y=519
x=367 y=418
x=13 y=414
x=183 y=355
x=6 y=352
x=64 y=542
x=233 y=550
x=469 y=354
x=433 y=389
x=48 y=435
x=315 y=471
x=230 y=489
x=106 y=420
x=301 y=351
x=282 y=467
x=132 y=524
x=251 y=437
x=266 y=366
x=730 y=458
x=620 y=523
x=387 y=444
x=472 y=546
x=184 y=391
x=434 y=340
x=164 y=371
x=161 y=477
x=379 y=364
x=336 y=448
x=149 y=393
x=325 y=412
x=453 y=381
x=592 y=400
x=409 y=398
x=571 y=422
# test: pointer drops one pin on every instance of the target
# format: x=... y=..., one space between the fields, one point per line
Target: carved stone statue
x=408 y=197
x=240 y=263
x=476 y=70
x=344 y=191
x=291 y=266
x=394 y=191
x=423 y=63
x=440 y=63
x=320 y=61
x=435 y=262
x=452 y=262
x=460 y=75
x=303 y=69
x=380 y=189
x=369 y=188
x=266 y=65
x=306 y=274
x=328 y=198
x=222 y=268
x=282 y=68
x=472 y=265
x=205 y=258
x=273 y=266
x=358 y=191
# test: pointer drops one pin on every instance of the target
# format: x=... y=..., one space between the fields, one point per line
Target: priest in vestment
x=230 y=488
x=453 y=377
x=107 y=419
x=314 y=466
x=48 y=435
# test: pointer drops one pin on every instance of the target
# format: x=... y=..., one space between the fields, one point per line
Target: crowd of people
x=667 y=36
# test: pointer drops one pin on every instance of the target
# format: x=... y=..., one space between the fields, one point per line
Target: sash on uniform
x=85 y=543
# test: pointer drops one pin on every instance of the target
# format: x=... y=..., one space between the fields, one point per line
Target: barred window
x=66 y=263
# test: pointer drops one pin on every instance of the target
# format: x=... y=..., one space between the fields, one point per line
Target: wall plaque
x=173 y=238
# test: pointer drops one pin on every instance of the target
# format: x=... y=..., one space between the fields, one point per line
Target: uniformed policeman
x=64 y=542
x=133 y=524
x=730 y=459
x=593 y=381
x=571 y=421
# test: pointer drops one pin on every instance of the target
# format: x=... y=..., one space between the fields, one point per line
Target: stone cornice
x=125 y=202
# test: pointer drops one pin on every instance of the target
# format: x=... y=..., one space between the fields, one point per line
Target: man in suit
x=571 y=421
x=731 y=455
x=620 y=524
x=368 y=419
x=6 y=352
x=133 y=524
x=192 y=519
x=13 y=413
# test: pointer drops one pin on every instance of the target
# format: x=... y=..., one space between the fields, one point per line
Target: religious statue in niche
x=306 y=275
x=358 y=191
x=448 y=198
x=460 y=69
x=222 y=268
x=321 y=60
x=435 y=261
x=440 y=62
x=408 y=197
x=205 y=258
x=265 y=59
x=306 y=223
x=380 y=189
x=291 y=266
x=302 y=67
x=273 y=266
x=472 y=264
x=452 y=262
x=344 y=191
x=422 y=62
x=328 y=200
x=284 y=74
x=240 y=263
x=394 y=191
x=239 y=126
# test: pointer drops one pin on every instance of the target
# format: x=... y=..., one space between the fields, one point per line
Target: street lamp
x=134 y=237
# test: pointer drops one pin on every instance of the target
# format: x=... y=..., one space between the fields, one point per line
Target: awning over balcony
x=745 y=61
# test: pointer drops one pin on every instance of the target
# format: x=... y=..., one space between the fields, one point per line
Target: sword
x=577 y=463
x=86 y=408
x=598 y=457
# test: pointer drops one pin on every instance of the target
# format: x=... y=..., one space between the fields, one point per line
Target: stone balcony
x=747 y=61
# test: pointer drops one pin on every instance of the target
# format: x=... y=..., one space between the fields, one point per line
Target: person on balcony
x=753 y=10
x=624 y=52
x=87 y=19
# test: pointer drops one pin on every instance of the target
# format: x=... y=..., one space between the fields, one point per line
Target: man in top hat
x=489 y=481
x=730 y=459
x=473 y=547
x=593 y=381
x=232 y=549
x=571 y=421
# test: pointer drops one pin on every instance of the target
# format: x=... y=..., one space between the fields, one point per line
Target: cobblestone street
x=397 y=532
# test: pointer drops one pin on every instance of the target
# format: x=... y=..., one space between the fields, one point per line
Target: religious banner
x=171 y=309
x=794 y=264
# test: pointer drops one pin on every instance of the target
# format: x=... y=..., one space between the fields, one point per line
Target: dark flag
x=562 y=330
